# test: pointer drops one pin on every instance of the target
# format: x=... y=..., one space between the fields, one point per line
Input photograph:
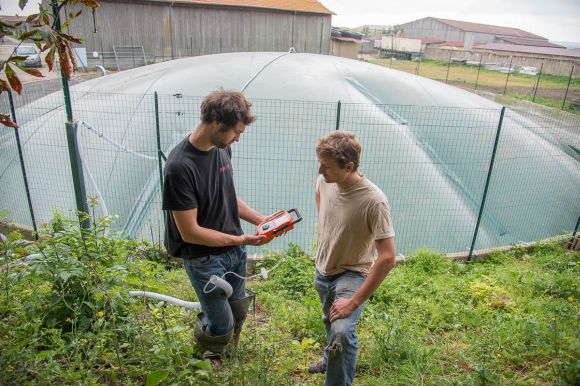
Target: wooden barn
x=157 y=30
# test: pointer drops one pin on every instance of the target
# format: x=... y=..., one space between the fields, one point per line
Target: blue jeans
x=215 y=304
x=341 y=352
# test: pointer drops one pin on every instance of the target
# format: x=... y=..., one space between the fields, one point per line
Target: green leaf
x=65 y=275
x=187 y=350
x=155 y=377
x=177 y=328
x=22 y=3
x=202 y=365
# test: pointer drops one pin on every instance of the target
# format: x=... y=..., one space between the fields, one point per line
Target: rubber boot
x=215 y=345
x=240 y=311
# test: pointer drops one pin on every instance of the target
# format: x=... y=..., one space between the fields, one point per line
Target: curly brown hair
x=342 y=146
x=228 y=107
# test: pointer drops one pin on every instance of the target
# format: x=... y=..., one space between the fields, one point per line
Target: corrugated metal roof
x=431 y=40
x=574 y=53
x=529 y=42
x=487 y=28
x=453 y=43
x=311 y=6
x=353 y=40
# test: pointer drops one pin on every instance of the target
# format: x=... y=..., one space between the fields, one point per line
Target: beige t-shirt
x=349 y=221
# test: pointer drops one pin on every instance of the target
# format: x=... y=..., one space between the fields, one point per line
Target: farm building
x=443 y=39
x=346 y=44
x=471 y=33
x=13 y=20
x=172 y=29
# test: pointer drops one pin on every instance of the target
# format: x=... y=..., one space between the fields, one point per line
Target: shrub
x=430 y=262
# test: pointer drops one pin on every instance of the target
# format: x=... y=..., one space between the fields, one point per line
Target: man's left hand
x=341 y=308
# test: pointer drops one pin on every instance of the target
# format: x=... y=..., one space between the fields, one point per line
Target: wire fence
x=522 y=77
x=457 y=179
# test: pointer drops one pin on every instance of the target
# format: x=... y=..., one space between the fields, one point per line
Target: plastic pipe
x=169 y=299
x=216 y=281
x=103 y=71
x=221 y=283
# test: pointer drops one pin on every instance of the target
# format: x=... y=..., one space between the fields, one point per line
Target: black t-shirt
x=202 y=180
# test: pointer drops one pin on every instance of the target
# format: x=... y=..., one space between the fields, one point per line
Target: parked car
x=31 y=54
x=528 y=70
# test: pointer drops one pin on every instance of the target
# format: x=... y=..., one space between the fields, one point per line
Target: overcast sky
x=557 y=20
x=552 y=19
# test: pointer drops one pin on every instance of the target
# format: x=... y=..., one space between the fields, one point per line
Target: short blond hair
x=342 y=146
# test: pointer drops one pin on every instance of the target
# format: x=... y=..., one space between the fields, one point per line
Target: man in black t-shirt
x=203 y=221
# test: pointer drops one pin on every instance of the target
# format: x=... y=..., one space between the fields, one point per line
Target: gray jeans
x=342 y=343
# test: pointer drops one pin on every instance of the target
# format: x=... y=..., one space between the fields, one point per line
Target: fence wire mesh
x=432 y=163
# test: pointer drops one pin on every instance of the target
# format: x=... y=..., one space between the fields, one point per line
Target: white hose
x=116 y=144
x=165 y=298
x=218 y=282
x=290 y=51
x=103 y=71
x=78 y=124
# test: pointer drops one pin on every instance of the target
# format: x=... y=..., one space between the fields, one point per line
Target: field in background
x=551 y=89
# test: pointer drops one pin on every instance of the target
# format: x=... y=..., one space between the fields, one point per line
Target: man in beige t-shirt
x=354 y=218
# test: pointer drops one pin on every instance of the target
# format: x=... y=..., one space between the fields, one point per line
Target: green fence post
x=508 y=75
x=567 y=87
x=160 y=154
x=21 y=157
x=478 y=70
x=338 y=116
x=448 y=65
x=538 y=82
x=77 y=173
x=486 y=184
x=576 y=227
x=71 y=132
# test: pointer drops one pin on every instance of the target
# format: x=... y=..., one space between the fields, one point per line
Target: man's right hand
x=254 y=240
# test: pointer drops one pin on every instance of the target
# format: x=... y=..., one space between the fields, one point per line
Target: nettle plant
x=82 y=270
x=48 y=37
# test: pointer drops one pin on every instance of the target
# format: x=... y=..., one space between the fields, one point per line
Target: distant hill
x=372 y=29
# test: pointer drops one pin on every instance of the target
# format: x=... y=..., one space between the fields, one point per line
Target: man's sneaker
x=317 y=368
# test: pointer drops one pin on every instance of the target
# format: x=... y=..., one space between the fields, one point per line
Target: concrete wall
x=554 y=65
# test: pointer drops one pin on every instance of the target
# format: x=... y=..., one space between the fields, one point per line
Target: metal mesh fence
x=535 y=176
x=432 y=163
x=522 y=77
x=45 y=151
x=12 y=190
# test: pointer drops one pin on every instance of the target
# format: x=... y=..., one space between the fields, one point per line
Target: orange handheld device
x=278 y=224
